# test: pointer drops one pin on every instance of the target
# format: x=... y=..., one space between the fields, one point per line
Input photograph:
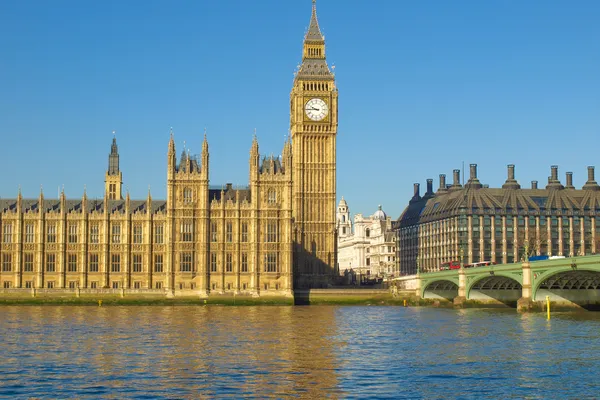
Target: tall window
x=185 y=264
x=213 y=262
x=228 y=262
x=51 y=233
x=213 y=232
x=271 y=262
x=94 y=234
x=137 y=263
x=272 y=196
x=244 y=262
x=6 y=262
x=137 y=234
x=50 y=262
x=367 y=232
x=187 y=231
x=7 y=233
x=115 y=263
x=158 y=234
x=72 y=263
x=229 y=232
x=116 y=233
x=29 y=233
x=28 y=262
x=271 y=235
x=72 y=233
x=187 y=195
x=158 y=263
x=244 y=232
x=93 y=262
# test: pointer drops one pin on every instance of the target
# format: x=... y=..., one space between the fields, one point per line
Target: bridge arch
x=497 y=286
x=440 y=288
x=568 y=283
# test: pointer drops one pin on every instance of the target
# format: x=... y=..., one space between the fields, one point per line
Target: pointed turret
x=127 y=203
x=63 y=201
x=84 y=201
x=41 y=201
x=114 y=179
x=19 y=200
x=254 y=158
x=314 y=33
x=149 y=202
x=113 y=158
x=314 y=65
x=171 y=156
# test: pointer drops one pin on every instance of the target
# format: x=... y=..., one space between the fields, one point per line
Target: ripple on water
x=302 y=352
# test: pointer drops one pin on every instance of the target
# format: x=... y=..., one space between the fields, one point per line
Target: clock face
x=316 y=109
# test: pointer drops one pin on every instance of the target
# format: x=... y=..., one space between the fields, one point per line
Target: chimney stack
x=416 y=190
x=554 y=173
x=473 y=170
x=511 y=182
x=429 y=192
x=473 y=182
x=456 y=174
x=442 y=187
x=553 y=182
x=534 y=184
x=569 y=184
x=591 y=182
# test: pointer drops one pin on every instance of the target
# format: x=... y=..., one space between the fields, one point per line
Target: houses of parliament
x=274 y=235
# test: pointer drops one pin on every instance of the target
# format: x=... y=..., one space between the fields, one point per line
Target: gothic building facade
x=473 y=223
x=270 y=237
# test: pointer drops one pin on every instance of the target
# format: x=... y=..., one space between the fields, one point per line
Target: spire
x=63 y=200
x=254 y=148
x=314 y=33
x=314 y=65
x=113 y=157
x=41 y=200
x=84 y=201
x=171 y=142
x=205 y=143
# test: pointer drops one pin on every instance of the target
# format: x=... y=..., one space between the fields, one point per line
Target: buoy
x=99 y=303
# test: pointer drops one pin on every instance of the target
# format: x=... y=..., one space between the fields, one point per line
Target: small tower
x=344 y=225
x=114 y=179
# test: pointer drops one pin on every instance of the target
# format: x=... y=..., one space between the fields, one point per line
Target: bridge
x=573 y=281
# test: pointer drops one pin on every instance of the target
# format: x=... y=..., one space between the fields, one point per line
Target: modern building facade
x=366 y=245
x=267 y=238
x=475 y=223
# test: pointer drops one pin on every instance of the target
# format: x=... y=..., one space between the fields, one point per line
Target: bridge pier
x=525 y=303
x=460 y=300
x=418 y=285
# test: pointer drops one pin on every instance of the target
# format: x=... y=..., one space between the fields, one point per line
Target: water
x=295 y=352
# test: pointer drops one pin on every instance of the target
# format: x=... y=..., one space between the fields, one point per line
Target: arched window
x=272 y=196
x=368 y=233
x=343 y=218
x=187 y=195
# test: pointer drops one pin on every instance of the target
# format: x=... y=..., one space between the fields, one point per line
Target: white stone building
x=366 y=246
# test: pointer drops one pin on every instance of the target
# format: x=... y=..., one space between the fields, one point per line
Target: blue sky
x=424 y=86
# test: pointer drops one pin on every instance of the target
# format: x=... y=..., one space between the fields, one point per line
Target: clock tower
x=313 y=126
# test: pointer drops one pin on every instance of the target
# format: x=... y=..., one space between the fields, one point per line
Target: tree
x=533 y=244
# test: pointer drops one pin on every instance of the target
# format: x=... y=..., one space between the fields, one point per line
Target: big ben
x=313 y=125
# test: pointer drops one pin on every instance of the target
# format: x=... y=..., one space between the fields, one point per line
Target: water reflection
x=305 y=352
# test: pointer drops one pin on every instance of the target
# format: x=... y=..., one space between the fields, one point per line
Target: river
x=310 y=352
